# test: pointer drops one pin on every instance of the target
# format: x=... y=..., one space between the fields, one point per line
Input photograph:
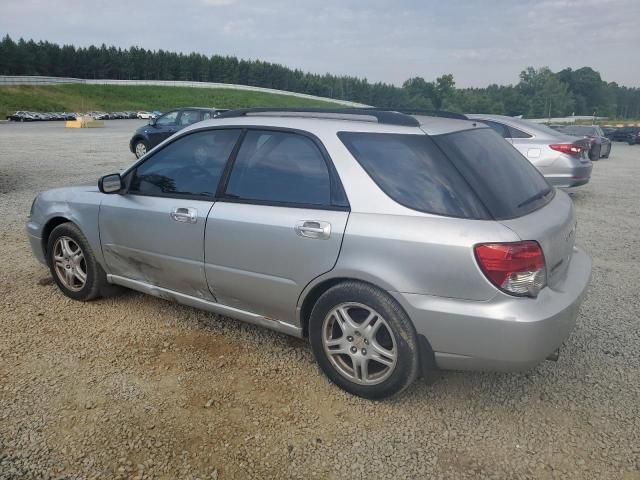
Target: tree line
x=539 y=93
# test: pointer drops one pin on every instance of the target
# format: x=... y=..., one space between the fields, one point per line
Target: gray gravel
x=136 y=387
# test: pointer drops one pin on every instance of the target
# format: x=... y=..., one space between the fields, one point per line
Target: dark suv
x=623 y=134
x=161 y=128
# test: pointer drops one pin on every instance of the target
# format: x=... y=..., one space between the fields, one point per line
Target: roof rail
x=357 y=114
x=435 y=113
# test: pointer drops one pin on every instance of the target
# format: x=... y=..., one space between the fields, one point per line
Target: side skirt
x=201 y=304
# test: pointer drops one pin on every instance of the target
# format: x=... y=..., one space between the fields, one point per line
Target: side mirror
x=110 y=183
x=152 y=121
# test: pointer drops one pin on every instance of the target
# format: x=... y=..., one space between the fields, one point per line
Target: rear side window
x=499 y=128
x=280 y=167
x=413 y=171
x=508 y=185
x=515 y=133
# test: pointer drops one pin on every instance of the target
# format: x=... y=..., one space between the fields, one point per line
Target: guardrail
x=7 y=80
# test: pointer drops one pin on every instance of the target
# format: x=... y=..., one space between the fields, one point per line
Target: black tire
x=96 y=283
x=406 y=368
x=142 y=142
x=596 y=154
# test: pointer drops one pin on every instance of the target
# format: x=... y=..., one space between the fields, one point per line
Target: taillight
x=568 y=148
x=517 y=268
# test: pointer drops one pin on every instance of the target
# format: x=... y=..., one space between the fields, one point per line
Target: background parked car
x=21 y=116
x=161 y=128
x=634 y=138
x=561 y=158
x=623 y=134
x=144 y=115
x=600 y=144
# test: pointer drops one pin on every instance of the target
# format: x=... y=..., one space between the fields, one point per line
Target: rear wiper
x=535 y=197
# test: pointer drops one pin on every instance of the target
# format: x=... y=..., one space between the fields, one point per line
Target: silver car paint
x=561 y=170
x=425 y=261
x=255 y=260
x=156 y=244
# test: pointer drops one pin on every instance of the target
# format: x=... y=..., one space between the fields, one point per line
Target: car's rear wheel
x=73 y=265
x=140 y=148
x=363 y=340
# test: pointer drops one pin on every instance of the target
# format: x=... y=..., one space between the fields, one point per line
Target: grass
x=110 y=98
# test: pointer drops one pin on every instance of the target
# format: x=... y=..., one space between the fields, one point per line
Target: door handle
x=313 y=229
x=184 y=215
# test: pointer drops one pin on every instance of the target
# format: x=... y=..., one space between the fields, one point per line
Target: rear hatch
x=515 y=194
x=554 y=228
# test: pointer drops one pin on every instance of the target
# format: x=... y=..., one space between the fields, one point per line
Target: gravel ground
x=136 y=387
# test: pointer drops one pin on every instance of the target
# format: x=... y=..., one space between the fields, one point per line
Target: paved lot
x=136 y=387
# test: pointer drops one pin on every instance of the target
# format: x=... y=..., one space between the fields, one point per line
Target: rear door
x=277 y=225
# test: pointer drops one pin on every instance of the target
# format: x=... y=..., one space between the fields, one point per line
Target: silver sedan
x=562 y=159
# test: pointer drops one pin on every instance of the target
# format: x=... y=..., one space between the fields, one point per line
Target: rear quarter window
x=414 y=172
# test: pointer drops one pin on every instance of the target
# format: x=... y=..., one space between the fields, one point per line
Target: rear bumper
x=570 y=177
x=505 y=333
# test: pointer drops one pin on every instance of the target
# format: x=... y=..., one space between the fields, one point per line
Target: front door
x=278 y=225
x=165 y=126
x=154 y=233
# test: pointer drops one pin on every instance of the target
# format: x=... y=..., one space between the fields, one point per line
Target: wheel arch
x=313 y=291
x=48 y=228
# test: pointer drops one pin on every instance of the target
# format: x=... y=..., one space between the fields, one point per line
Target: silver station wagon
x=398 y=245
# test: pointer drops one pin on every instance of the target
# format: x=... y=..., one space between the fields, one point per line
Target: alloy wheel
x=69 y=263
x=359 y=343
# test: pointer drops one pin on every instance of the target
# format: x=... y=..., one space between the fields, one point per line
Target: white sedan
x=145 y=115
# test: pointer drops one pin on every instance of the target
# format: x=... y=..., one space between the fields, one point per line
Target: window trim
x=335 y=185
x=337 y=189
x=130 y=172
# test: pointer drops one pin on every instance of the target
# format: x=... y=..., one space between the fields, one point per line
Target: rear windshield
x=471 y=174
x=579 y=130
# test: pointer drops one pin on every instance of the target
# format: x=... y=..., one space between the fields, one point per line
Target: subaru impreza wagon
x=398 y=245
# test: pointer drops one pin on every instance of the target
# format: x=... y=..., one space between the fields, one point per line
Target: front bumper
x=505 y=333
x=35 y=241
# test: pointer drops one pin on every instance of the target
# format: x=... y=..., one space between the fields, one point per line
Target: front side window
x=280 y=167
x=192 y=165
x=167 y=119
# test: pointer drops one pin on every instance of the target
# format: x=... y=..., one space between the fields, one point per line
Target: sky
x=479 y=41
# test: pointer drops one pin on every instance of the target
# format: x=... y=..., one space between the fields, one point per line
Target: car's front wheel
x=363 y=340
x=73 y=265
x=140 y=148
